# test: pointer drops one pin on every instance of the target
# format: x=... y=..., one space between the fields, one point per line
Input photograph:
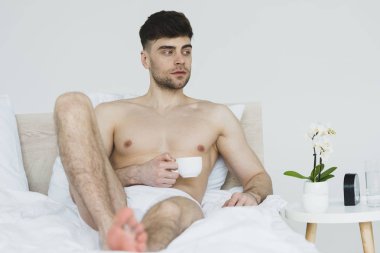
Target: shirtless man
x=135 y=142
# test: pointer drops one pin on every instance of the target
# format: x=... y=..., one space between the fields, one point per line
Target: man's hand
x=241 y=199
x=160 y=171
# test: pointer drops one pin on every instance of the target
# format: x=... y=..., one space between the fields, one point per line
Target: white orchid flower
x=322 y=130
x=322 y=144
x=325 y=152
x=331 y=131
x=319 y=130
x=313 y=131
x=320 y=141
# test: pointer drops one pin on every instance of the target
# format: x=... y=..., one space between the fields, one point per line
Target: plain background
x=305 y=61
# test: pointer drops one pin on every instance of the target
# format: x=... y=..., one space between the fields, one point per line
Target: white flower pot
x=315 y=197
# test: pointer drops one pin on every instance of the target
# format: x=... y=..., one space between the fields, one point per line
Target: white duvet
x=31 y=222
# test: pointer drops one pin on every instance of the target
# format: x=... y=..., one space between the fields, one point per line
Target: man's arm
x=106 y=123
x=243 y=161
x=158 y=172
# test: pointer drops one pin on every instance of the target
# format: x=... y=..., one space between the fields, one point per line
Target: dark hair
x=165 y=24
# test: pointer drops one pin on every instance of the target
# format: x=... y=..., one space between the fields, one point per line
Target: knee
x=71 y=102
x=170 y=208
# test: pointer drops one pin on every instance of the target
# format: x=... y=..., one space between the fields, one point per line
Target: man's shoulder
x=213 y=109
x=208 y=105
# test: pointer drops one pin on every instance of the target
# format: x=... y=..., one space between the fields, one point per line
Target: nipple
x=127 y=144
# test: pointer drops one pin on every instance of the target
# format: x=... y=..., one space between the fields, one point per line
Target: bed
x=31 y=221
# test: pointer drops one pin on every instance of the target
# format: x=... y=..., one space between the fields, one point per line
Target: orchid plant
x=319 y=135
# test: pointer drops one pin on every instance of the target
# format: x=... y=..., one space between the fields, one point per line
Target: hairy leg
x=94 y=185
x=168 y=219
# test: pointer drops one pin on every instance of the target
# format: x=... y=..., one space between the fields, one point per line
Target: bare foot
x=126 y=233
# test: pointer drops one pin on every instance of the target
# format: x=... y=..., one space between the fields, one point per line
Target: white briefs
x=142 y=197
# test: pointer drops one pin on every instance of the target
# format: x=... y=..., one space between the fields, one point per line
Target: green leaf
x=294 y=174
x=328 y=172
x=326 y=178
x=315 y=172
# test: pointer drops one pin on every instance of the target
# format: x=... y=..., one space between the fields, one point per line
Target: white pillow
x=12 y=173
x=59 y=187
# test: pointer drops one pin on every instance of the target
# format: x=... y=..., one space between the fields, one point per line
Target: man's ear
x=145 y=59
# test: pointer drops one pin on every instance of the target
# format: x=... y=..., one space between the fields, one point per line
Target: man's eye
x=187 y=52
x=167 y=52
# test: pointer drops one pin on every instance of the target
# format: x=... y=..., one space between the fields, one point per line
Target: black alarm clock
x=351 y=189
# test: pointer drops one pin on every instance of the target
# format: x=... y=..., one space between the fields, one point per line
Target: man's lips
x=179 y=73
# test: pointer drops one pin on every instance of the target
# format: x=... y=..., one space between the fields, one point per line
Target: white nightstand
x=338 y=213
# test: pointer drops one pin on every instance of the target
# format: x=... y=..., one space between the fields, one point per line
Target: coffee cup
x=189 y=166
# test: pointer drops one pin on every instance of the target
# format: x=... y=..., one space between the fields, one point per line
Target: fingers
x=165 y=182
x=241 y=202
x=233 y=200
x=167 y=157
x=168 y=165
x=240 y=199
x=162 y=172
x=166 y=178
x=169 y=174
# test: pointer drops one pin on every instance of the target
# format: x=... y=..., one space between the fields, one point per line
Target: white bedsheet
x=31 y=222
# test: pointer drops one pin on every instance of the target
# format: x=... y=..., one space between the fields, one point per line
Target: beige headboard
x=39 y=144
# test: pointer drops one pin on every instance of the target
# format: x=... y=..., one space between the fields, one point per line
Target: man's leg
x=168 y=219
x=163 y=222
x=94 y=186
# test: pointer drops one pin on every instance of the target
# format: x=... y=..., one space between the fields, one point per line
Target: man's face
x=169 y=61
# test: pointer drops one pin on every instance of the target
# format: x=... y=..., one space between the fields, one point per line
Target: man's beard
x=168 y=84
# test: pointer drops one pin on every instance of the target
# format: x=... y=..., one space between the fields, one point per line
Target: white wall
x=306 y=61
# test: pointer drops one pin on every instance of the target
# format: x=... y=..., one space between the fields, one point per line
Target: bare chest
x=137 y=138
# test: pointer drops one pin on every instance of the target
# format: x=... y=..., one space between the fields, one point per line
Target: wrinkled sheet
x=31 y=222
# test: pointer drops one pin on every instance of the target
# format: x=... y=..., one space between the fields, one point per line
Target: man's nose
x=179 y=59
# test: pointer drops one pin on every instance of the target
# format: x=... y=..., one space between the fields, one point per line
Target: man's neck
x=164 y=99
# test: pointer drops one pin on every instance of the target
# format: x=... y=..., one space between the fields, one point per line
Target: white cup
x=189 y=166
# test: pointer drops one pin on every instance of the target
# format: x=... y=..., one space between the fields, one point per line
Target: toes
x=142 y=238
x=115 y=238
x=141 y=248
x=139 y=228
x=124 y=216
x=118 y=239
x=126 y=233
x=141 y=242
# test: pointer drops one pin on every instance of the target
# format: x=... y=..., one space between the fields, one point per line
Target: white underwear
x=142 y=197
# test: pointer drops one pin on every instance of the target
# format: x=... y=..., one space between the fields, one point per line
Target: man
x=135 y=142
